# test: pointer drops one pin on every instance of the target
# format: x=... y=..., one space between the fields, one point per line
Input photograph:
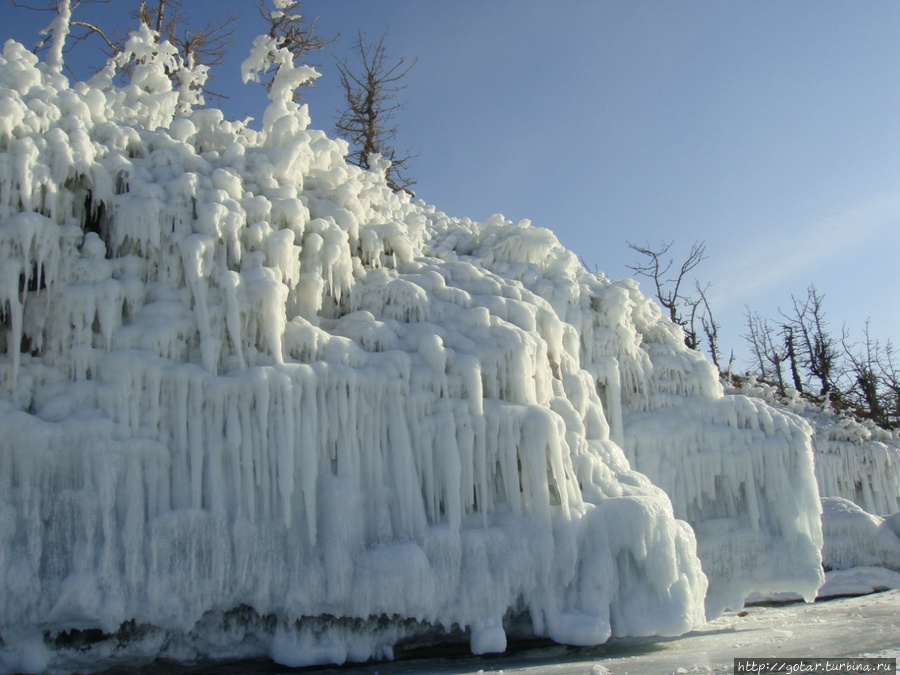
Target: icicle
x=197 y=255
x=11 y=305
x=286 y=460
x=231 y=283
x=608 y=376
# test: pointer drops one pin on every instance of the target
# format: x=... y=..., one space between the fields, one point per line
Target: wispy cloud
x=772 y=257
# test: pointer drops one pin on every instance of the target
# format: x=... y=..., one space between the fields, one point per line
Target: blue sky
x=768 y=129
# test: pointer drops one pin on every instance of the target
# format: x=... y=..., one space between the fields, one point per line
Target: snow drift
x=254 y=402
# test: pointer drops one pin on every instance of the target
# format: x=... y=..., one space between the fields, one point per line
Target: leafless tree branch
x=658 y=268
x=370 y=92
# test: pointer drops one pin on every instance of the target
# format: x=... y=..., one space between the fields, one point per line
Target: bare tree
x=865 y=390
x=790 y=347
x=753 y=336
x=370 y=92
x=863 y=376
x=889 y=372
x=819 y=350
x=207 y=44
x=769 y=353
x=710 y=327
x=668 y=283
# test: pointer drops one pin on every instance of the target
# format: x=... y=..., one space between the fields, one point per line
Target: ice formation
x=857 y=467
x=255 y=402
x=860 y=553
x=741 y=473
x=855 y=459
x=855 y=538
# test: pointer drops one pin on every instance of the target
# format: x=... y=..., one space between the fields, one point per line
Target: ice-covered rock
x=858 y=581
x=255 y=402
x=857 y=468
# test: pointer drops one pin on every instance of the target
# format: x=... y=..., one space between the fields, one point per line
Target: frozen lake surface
x=858 y=626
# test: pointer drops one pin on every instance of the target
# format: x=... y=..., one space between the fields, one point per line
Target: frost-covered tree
x=65 y=31
x=371 y=87
x=58 y=31
x=293 y=32
x=197 y=49
x=274 y=66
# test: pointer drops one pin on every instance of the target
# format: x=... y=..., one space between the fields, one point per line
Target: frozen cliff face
x=740 y=472
x=254 y=402
x=742 y=475
x=860 y=463
x=855 y=459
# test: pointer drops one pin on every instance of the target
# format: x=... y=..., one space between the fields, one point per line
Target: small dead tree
x=864 y=391
x=667 y=281
x=766 y=348
x=819 y=348
x=370 y=92
x=753 y=336
x=889 y=372
x=710 y=327
x=790 y=347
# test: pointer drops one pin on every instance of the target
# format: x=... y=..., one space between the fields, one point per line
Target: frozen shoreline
x=841 y=627
x=856 y=626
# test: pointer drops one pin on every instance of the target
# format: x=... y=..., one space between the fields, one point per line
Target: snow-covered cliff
x=255 y=402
